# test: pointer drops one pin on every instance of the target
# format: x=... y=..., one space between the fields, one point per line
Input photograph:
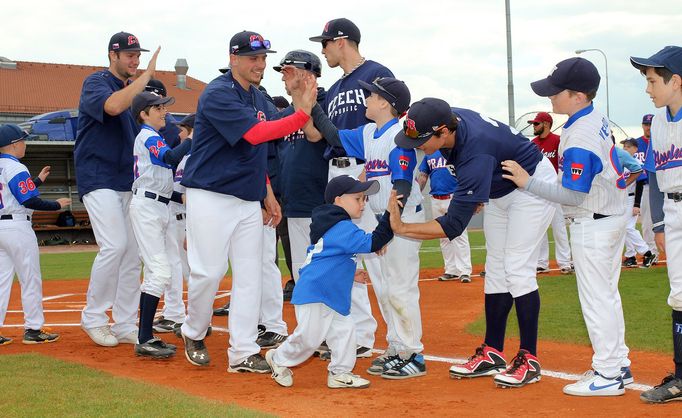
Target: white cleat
x=280 y=374
x=102 y=336
x=594 y=384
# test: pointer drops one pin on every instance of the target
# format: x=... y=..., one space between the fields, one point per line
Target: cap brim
x=277 y=68
x=367 y=187
x=369 y=87
x=638 y=63
x=404 y=141
x=533 y=121
x=320 y=38
x=163 y=101
x=256 y=52
x=545 y=88
x=130 y=50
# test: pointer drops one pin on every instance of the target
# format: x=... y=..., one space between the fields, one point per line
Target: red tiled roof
x=37 y=87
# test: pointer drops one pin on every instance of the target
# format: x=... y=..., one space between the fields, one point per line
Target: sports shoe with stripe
x=155 y=348
x=446 y=277
x=626 y=375
x=270 y=340
x=196 y=352
x=5 y=340
x=164 y=325
x=594 y=384
x=669 y=390
x=524 y=369
x=382 y=363
x=413 y=366
x=649 y=259
x=255 y=363
x=280 y=374
x=39 y=336
x=486 y=361
x=346 y=381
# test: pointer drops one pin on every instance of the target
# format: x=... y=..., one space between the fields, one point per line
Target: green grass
x=39 y=386
x=75 y=266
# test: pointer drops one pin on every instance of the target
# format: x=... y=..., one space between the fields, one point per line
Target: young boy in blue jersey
x=150 y=213
x=322 y=295
x=663 y=72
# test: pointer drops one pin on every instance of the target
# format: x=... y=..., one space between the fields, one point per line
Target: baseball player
x=663 y=72
x=396 y=287
x=103 y=156
x=591 y=188
x=514 y=221
x=173 y=314
x=456 y=252
x=634 y=243
x=548 y=142
x=642 y=198
x=323 y=291
x=225 y=177
x=19 y=197
x=150 y=214
x=170 y=132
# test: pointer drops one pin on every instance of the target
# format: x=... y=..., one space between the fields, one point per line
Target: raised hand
x=64 y=202
x=44 y=173
x=516 y=173
x=151 y=67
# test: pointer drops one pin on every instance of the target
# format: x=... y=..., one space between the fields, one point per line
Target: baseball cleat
x=38 y=336
x=382 y=363
x=280 y=374
x=196 y=352
x=542 y=270
x=414 y=366
x=486 y=361
x=567 y=269
x=363 y=352
x=630 y=262
x=255 y=363
x=447 y=277
x=594 y=384
x=669 y=390
x=346 y=381
x=524 y=369
x=5 y=340
x=164 y=325
x=465 y=278
x=155 y=348
x=102 y=336
x=270 y=340
x=223 y=310
x=650 y=259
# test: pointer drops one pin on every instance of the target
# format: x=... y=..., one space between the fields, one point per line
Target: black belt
x=343 y=162
x=180 y=216
x=631 y=194
x=154 y=196
x=596 y=216
x=677 y=196
x=17 y=217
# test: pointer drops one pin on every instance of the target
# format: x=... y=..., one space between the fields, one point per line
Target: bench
x=47 y=221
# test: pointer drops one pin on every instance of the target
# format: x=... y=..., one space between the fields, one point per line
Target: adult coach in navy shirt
x=225 y=177
x=514 y=222
x=103 y=154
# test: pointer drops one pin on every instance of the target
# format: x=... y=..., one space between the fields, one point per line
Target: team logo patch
x=132 y=40
x=576 y=171
x=260 y=115
x=255 y=38
x=410 y=124
x=114 y=46
x=404 y=162
x=326 y=27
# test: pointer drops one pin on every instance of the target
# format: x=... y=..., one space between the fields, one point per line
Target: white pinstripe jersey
x=16 y=186
x=666 y=143
x=151 y=173
x=588 y=163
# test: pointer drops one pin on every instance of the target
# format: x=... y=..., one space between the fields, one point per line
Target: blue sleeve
x=229 y=115
x=352 y=142
x=95 y=93
x=424 y=166
x=580 y=168
x=628 y=161
x=475 y=179
x=402 y=163
x=351 y=239
x=157 y=150
x=22 y=187
x=649 y=163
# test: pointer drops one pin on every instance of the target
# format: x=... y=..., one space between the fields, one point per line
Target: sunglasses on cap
x=376 y=84
x=414 y=133
x=254 y=45
x=326 y=41
x=306 y=65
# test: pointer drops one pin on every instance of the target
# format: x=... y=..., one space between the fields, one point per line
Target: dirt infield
x=447 y=307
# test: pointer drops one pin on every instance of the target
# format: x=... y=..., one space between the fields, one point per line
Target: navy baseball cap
x=577 y=74
x=187 y=120
x=156 y=86
x=424 y=118
x=10 y=133
x=338 y=29
x=301 y=59
x=646 y=119
x=669 y=57
x=394 y=91
x=147 y=98
x=249 y=43
x=345 y=184
x=630 y=141
x=124 y=41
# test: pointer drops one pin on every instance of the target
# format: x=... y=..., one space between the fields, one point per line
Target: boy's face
x=184 y=132
x=373 y=106
x=353 y=203
x=433 y=144
x=17 y=149
x=562 y=103
x=661 y=94
x=156 y=118
x=630 y=149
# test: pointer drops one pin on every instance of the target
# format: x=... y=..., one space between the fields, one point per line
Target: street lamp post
x=606 y=67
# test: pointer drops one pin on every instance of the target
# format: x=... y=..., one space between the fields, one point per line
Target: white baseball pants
x=597 y=246
x=115 y=275
x=299 y=240
x=174 y=306
x=272 y=298
x=672 y=212
x=316 y=322
x=456 y=252
x=221 y=226
x=645 y=220
x=19 y=252
x=634 y=244
x=562 y=248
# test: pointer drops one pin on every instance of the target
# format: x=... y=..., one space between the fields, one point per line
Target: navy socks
x=677 y=342
x=497 y=307
x=148 y=305
x=527 y=313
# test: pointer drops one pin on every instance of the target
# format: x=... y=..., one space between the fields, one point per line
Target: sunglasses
x=414 y=133
x=253 y=45
x=376 y=84
x=537 y=123
x=326 y=41
x=301 y=64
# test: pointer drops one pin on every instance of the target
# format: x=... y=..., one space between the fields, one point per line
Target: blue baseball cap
x=577 y=74
x=646 y=119
x=669 y=57
x=9 y=134
x=394 y=91
x=346 y=184
x=424 y=118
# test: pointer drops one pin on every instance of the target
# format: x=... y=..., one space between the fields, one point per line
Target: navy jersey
x=170 y=132
x=640 y=155
x=345 y=100
x=481 y=144
x=103 y=153
x=221 y=161
x=441 y=174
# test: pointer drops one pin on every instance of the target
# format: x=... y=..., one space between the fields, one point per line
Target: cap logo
x=115 y=46
x=339 y=32
x=553 y=69
x=260 y=115
x=132 y=40
x=255 y=38
x=410 y=124
x=326 y=26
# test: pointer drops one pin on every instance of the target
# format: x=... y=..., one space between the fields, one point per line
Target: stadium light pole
x=510 y=76
x=606 y=67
